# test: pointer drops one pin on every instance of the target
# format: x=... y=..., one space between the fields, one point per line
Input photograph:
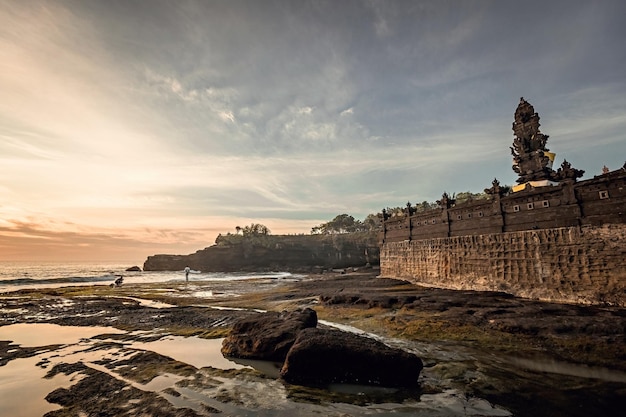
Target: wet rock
x=100 y=394
x=267 y=336
x=133 y=269
x=322 y=356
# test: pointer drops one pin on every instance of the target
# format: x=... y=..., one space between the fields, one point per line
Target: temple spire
x=530 y=160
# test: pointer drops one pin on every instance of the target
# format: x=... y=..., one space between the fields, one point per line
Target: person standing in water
x=187 y=270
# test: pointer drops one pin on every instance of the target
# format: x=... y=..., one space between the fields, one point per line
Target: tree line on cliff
x=341 y=224
x=456 y=198
x=259 y=234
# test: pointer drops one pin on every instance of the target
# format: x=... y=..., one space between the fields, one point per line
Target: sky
x=130 y=128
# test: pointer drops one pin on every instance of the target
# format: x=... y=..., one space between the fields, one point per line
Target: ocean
x=17 y=275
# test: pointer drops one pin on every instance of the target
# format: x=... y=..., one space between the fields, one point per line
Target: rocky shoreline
x=484 y=344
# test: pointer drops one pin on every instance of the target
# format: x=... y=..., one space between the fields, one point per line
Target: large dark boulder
x=267 y=336
x=321 y=356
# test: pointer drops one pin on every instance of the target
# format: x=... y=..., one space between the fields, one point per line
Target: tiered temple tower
x=532 y=160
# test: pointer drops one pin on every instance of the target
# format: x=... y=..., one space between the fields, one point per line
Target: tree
x=372 y=222
x=395 y=211
x=425 y=205
x=255 y=229
x=344 y=223
x=462 y=197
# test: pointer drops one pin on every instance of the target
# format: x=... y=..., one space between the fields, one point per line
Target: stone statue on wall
x=496 y=189
x=567 y=172
x=446 y=201
x=529 y=146
x=531 y=159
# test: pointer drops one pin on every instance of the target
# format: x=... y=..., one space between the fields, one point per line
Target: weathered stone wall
x=570 y=264
x=597 y=201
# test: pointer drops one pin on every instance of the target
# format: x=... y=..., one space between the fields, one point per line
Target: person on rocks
x=187 y=270
x=118 y=282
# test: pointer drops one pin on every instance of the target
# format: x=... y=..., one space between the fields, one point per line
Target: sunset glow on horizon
x=132 y=128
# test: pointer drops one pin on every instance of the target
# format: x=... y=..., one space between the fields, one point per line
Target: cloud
x=36 y=242
x=118 y=118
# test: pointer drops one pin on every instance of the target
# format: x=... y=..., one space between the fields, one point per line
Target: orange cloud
x=23 y=241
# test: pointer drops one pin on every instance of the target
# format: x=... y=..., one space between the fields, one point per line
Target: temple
x=551 y=237
x=543 y=197
x=532 y=161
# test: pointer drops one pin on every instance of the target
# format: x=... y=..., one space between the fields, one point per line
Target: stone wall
x=570 y=264
x=594 y=202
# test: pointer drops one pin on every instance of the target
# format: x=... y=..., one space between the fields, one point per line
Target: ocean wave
x=17 y=275
x=60 y=280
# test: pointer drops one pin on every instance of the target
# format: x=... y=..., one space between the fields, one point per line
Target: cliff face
x=275 y=253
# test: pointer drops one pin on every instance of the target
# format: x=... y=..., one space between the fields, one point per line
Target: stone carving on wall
x=446 y=201
x=529 y=146
x=567 y=173
x=531 y=159
x=496 y=189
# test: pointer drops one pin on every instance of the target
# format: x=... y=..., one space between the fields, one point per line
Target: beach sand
x=484 y=353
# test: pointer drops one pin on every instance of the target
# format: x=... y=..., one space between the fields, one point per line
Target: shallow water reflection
x=45 y=334
x=26 y=375
x=191 y=350
x=236 y=393
x=252 y=388
x=271 y=369
x=22 y=377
